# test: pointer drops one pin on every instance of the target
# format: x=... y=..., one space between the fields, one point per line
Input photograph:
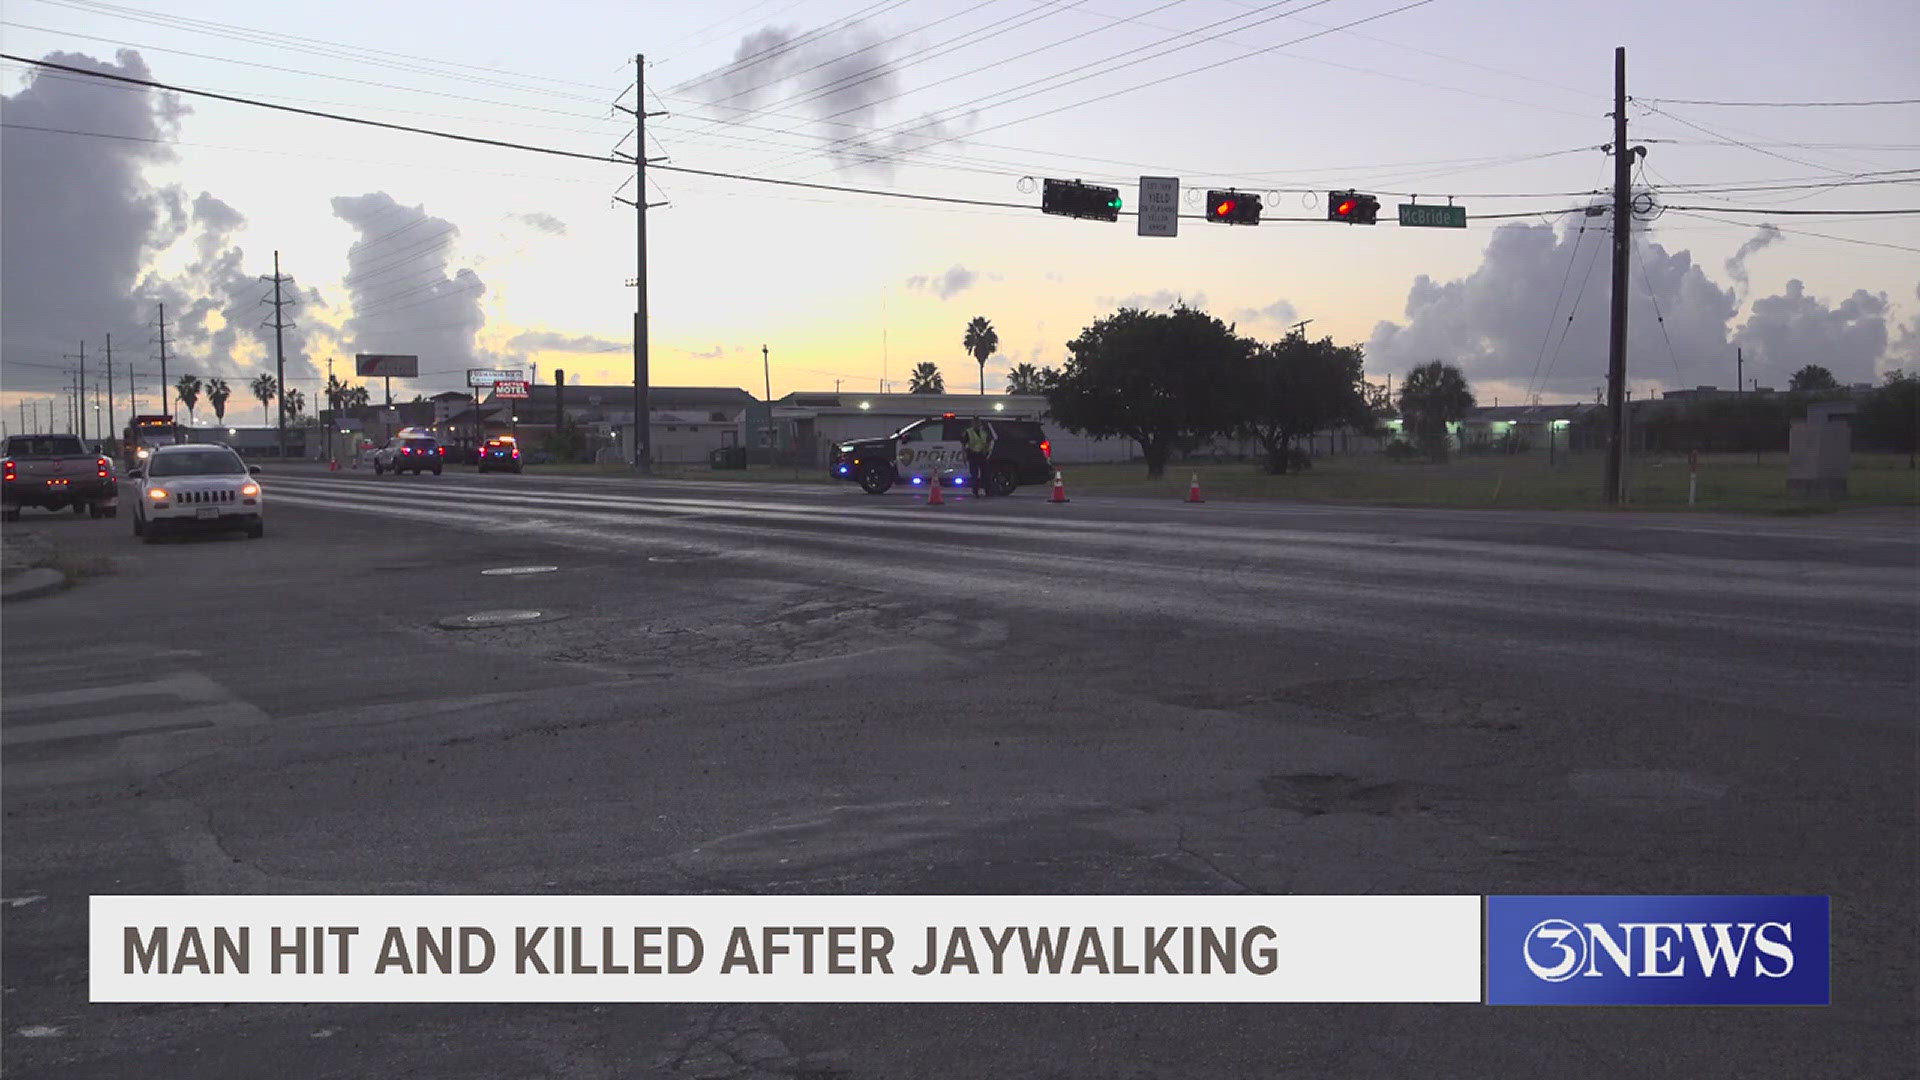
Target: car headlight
x=250 y=489
x=142 y=453
x=156 y=494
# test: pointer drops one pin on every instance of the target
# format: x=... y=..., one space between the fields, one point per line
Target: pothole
x=505 y=571
x=481 y=620
x=1313 y=794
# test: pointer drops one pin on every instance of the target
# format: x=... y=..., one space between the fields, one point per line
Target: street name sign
x=1159 y=205
x=1433 y=216
x=489 y=376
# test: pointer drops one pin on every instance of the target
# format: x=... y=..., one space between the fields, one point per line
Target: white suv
x=180 y=488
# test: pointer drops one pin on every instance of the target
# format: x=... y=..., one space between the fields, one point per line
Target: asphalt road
x=801 y=689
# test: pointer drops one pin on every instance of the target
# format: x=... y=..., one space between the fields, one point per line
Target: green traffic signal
x=1115 y=204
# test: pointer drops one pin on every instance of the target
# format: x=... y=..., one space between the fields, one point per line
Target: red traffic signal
x=1233 y=207
x=1352 y=207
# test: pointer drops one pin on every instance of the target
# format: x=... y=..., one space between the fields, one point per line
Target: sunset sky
x=118 y=198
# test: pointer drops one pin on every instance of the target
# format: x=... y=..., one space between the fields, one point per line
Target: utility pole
x=280 y=325
x=1622 y=245
x=642 y=417
x=333 y=410
x=166 y=391
x=80 y=392
x=1739 y=371
x=108 y=433
x=766 y=373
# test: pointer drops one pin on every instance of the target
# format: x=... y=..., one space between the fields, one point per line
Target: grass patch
x=77 y=566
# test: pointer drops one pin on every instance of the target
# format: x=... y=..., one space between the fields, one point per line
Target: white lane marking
x=21 y=901
x=37 y=1031
x=1272 y=551
x=188 y=686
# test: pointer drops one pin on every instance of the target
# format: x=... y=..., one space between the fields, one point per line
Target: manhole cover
x=503 y=571
x=483 y=619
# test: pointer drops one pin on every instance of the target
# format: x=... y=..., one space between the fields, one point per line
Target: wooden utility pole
x=642 y=416
x=166 y=391
x=1622 y=246
x=109 y=432
x=80 y=392
x=280 y=325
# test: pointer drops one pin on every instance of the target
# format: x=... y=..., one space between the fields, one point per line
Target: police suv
x=934 y=451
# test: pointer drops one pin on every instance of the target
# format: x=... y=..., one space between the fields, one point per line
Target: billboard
x=386 y=364
x=510 y=388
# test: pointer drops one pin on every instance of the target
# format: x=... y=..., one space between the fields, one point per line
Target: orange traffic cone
x=1193 y=492
x=933 y=496
x=1059 y=488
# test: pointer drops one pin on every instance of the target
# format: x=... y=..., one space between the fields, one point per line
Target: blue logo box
x=1657 y=950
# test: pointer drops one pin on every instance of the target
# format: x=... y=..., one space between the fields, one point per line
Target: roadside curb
x=36 y=582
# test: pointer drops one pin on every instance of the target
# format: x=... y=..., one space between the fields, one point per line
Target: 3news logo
x=1657 y=950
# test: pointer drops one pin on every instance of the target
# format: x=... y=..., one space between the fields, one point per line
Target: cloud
x=1510 y=321
x=956 y=280
x=1280 y=313
x=1905 y=353
x=544 y=222
x=78 y=219
x=1161 y=300
x=531 y=341
x=406 y=296
x=839 y=80
x=1737 y=266
x=1786 y=332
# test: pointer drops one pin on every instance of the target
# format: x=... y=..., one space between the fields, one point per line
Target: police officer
x=979 y=444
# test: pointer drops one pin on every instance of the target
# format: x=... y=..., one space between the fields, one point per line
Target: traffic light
x=1233 y=207
x=1071 y=198
x=1352 y=207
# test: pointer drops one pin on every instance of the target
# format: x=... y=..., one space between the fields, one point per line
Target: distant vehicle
x=196 y=487
x=500 y=454
x=412 y=450
x=55 y=472
x=144 y=434
x=933 y=451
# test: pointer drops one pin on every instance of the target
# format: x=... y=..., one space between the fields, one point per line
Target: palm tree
x=217 y=394
x=981 y=342
x=1432 y=396
x=266 y=388
x=294 y=402
x=188 y=391
x=354 y=397
x=1026 y=379
x=926 y=380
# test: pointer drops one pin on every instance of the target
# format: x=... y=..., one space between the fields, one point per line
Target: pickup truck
x=57 y=471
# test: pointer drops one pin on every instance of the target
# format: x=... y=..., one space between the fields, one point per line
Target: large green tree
x=1299 y=387
x=1163 y=379
x=1889 y=417
x=981 y=342
x=1432 y=396
x=926 y=379
x=1812 y=377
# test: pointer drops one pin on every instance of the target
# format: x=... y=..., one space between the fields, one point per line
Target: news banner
x=1493 y=950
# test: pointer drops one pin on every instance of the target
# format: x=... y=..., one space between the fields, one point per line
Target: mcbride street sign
x=1159 y=205
x=1433 y=216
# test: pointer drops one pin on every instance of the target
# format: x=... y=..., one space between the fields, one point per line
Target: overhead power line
x=1798 y=213
x=1785 y=104
x=581 y=156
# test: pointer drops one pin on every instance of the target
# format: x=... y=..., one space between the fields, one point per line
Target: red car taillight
x=516 y=453
x=9 y=469
x=1046 y=447
x=443 y=451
